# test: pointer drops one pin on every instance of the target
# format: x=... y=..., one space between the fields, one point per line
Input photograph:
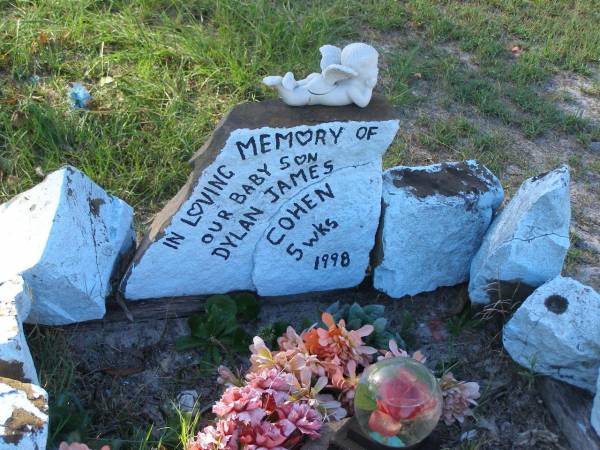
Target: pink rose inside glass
x=398 y=402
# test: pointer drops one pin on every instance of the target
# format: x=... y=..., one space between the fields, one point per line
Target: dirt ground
x=136 y=372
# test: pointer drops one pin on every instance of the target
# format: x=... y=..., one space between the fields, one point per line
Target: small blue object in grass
x=79 y=96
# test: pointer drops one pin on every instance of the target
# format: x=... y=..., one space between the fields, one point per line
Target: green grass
x=176 y=66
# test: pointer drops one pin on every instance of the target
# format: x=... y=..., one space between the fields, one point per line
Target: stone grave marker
x=281 y=200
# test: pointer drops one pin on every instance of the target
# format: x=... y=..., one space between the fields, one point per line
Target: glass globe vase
x=398 y=402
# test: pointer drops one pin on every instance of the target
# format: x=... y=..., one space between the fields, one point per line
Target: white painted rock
x=433 y=222
x=64 y=237
x=555 y=332
x=275 y=190
x=527 y=243
x=23 y=416
x=595 y=417
x=15 y=358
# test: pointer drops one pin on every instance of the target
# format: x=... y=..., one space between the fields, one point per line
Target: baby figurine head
x=363 y=58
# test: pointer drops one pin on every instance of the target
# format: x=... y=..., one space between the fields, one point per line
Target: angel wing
x=330 y=54
x=338 y=72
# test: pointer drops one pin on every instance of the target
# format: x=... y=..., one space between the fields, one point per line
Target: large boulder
x=555 y=332
x=281 y=200
x=527 y=243
x=433 y=221
x=23 y=416
x=15 y=358
x=64 y=237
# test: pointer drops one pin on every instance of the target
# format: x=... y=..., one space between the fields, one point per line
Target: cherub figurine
x=348 y=76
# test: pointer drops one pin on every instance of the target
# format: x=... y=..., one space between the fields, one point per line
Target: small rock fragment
x=186 y=400
x=527 y=243
x=65 y=237
x=23 y=416
x=15 y=358
x=555 y=332
x=434 y=219
x=595 y=146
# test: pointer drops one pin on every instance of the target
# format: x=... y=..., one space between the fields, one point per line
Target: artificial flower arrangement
x=287 y=395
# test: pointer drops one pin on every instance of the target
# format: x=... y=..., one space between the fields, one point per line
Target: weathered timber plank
x=571 y=408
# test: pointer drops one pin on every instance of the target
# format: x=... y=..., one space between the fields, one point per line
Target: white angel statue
x=347 y=76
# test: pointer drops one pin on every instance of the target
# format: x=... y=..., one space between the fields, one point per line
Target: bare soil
x=136 y=372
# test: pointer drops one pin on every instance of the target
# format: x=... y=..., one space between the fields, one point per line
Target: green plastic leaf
x=215 y=355
x=184 y=343
x=354 y=324
x=221 y=306
x=380 y=325
x=374 y=310
x=240 y=340
x=382 y=342
x=197 y=324
x=363 y=399
x=356 y=314
x=248 y=306
x=334 y=308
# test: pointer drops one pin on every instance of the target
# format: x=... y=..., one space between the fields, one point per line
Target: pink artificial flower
x=384 y=424
x=291 y=341
x=395 y=352
x=271 y=381
x=244 y=404
x=222 y=437
x=78 y=446
x=261 y=357
x=273 y=435
x=458 y=398
x=228 y=378
x=336 y=340
x=346 y=384
x=305 y=418
x=404 y=397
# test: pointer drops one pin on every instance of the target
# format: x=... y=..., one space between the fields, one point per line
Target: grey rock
x=433 y=222
x=527 y=242
x=555 y=332
x=65 y=237
x=595 y=146
x=186 y=400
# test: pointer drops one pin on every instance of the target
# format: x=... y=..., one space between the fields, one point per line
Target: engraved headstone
x=281 y=200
